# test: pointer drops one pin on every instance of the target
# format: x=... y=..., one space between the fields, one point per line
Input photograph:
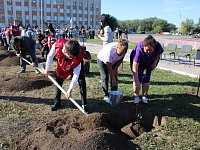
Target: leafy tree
x=157 y=29
x=187 y=26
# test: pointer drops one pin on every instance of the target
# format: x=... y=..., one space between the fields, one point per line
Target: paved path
x=180 y=68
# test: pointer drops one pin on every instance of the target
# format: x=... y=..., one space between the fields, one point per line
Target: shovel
x=54 y=81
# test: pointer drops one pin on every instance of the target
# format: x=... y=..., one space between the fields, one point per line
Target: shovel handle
x=56 y=83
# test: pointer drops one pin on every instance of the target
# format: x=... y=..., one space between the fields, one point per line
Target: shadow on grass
x=173 y=105
x=192 y=84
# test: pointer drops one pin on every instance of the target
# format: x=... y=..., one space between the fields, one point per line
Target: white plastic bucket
x=115 y=98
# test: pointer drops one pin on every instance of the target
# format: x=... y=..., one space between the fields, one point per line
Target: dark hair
x=109 y=20
x=104 y=20
x=15 y=40
x=149 y=40
x=73 y=47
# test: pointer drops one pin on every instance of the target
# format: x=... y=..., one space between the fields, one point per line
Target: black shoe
x=56 y=106
x=21 y=71
x=85 y=108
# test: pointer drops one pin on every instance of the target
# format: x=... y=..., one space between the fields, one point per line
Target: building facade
x=63 y=13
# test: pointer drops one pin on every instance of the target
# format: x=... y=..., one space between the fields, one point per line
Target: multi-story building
x=62 y=13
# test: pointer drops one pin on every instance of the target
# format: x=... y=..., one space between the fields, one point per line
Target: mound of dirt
x=10 y=61
x=77 y=133
x=2 y=48
x=24 y=83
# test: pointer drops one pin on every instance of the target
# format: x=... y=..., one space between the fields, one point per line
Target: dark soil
x=10 y=61
x=24 y=82
x=78 y=133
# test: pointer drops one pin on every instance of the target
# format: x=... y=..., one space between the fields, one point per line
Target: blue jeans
x=32 y=53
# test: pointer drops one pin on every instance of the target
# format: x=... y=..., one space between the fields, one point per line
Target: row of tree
x=156 y=25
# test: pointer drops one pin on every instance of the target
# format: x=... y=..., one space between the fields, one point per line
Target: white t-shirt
x=108 y=35
x=109 y=53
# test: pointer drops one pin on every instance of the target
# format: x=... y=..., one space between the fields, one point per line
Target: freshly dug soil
x=78 y=133
x=24 y=82
x=10 y=61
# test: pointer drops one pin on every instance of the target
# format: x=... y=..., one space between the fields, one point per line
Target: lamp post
x=41 y=18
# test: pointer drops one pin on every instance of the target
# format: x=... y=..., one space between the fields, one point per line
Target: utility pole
x=41 y=17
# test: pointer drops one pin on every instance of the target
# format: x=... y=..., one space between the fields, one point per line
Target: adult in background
x=70 y=65
x=106 y=33
x=51 y=29
x=143 y=59
x=25 y=45
x=109 y=59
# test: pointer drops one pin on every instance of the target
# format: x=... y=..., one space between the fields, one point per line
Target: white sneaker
x=106 y=98
x=136 y=101
x=145 y=100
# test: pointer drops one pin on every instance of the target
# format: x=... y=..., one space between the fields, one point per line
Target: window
x=68 y=3
x=9 y=7
x=1 y=7
x=80 y=19
x=34 y=8
x=92 y=5
x=80 y=11
x=91 y=12
x=48 y=18
x=74 y=18
x=74 y=3
x=61 y=10
x=68 y=11
x=54 y=2
x=55 y=18
x=55 y=10
x=17 y=0
x=26 y=8
x=18 y=16
x=81 y=4
x=26 y=0
x=48 y=9
x=10 y=17
x=27 y=17
x=34 y=17
x=61 y=18
x=2 y=16
x=74 y=11
x=18 y=8
x=86 y=12
x=68 y=18
x=48 y=1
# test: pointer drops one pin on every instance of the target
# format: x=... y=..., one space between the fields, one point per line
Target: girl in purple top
x=143 y=59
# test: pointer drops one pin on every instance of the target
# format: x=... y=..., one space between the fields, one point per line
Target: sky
x=174 y=11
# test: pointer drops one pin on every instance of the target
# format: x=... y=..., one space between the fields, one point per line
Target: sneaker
x=56 y=106
x=21 y=71
x=37 y=72
x=145 y=100
x=136 y=101
x=106 y=98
